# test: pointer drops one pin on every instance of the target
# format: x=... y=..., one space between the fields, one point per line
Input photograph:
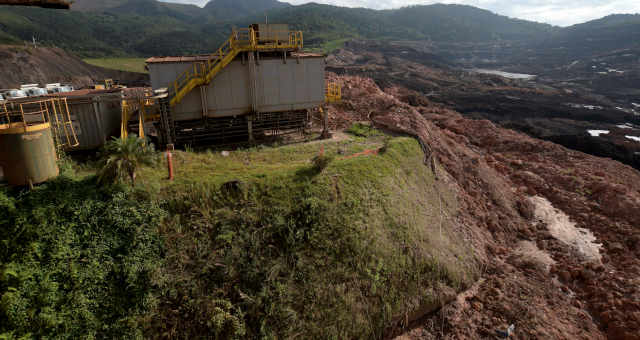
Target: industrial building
x=258 y=82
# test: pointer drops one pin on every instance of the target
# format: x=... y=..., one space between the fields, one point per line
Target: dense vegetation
x=75 y=261
x=266 y=246
x=149 y=27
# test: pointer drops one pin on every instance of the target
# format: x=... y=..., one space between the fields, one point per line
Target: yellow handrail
x=40 y=112
x=240 y=40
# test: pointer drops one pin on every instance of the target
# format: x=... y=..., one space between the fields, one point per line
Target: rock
x=606 y=317
x=526 y=209
x=564 y=276
x=587 y=274
x=616 y=247
x=634 y=242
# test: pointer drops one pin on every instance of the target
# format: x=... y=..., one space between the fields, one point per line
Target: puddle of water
x=635 y=138
x=580 y=240
x=505 y=74
x=585 y=106
x=597 y=133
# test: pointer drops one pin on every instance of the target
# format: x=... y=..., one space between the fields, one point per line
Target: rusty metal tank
x=27 y=153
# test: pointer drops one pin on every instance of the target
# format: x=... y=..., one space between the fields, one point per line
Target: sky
x=555 y=12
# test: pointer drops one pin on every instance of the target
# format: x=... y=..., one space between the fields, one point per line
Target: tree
x=122 y=157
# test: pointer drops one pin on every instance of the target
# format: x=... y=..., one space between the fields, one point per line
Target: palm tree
x=122 y=157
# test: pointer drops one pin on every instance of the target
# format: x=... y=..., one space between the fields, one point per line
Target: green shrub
x=75 y=261
x=122 y=157
x=363 y=130
x=320 y=162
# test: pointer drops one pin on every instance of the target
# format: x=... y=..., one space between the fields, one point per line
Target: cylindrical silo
x=27 y=153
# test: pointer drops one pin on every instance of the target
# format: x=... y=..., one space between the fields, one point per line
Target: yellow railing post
x=73 y=131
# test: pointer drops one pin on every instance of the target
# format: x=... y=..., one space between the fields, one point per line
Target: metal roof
x=189 y=59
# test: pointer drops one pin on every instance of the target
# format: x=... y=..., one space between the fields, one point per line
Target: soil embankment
x=556 y=229
x=41 y=65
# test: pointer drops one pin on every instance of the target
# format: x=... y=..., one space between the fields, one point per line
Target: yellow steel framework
x=139 y=103
x=241 y=40
x=334 y=93
x=54 y=111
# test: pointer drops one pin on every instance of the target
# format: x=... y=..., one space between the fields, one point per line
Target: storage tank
x=27 y=154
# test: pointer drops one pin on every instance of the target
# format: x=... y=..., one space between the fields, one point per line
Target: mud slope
x=557 y=229
x=26 y=65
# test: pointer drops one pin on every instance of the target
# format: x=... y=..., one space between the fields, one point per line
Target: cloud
x=556 y=12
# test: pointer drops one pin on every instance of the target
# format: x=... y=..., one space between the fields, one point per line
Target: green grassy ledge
x=278 y=251
x=120 y=64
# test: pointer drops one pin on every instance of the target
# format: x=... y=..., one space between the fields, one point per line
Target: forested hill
x=605 y=34
x=149 y=27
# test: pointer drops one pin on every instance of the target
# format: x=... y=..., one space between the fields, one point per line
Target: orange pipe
x=170 y=164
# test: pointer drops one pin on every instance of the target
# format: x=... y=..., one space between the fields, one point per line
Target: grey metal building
x=257 y=83
x=291 y=83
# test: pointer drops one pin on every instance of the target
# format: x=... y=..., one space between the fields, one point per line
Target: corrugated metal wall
x=95 y=119
x=295 y=85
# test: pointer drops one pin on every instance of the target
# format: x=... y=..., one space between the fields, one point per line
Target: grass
x=341 y=253
x=363 y=130
x=121 y=64
x=333 y=45
x=265 y=244
x=247 y=165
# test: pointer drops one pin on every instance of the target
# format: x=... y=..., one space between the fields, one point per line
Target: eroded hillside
x=556 y=229
x=42 y=65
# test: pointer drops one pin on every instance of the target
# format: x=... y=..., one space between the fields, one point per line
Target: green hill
x=149 y=27
x=229 y=10
x=140 y=28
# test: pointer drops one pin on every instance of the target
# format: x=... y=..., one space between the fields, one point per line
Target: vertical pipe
x=23 y=120
x=98 y=116
x=250 y=127
x=203 y=101
x=170 y=161
x=253 y=87
x=325 y=120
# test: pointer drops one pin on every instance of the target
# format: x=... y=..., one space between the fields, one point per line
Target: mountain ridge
x=150 y=27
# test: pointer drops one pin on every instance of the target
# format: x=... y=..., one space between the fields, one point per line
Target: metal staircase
x=166 y=121
x=241 y=40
